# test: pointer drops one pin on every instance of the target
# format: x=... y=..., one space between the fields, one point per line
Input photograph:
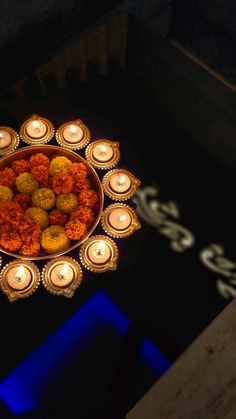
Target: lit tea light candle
x=73 y=135
x=99 y=254
x=103 y=154
x=120 y=184
x=119 y=220
x=19 y=277
x=62 y=276
x=18 y=280
x=9 y=140
x=5 y=139
x=36 y=130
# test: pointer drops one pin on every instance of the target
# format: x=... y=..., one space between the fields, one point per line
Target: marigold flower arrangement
x=45 y=203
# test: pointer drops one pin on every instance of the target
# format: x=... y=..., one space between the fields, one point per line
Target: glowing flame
x=100 y=248
x=20 y=273
x=1 y=135
x=122 y=218
x=121 y=180
x=103 y=149
x=36 y=125
x=63 y=272
x=73 y=129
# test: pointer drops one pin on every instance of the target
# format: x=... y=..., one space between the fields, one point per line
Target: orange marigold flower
x=58 y=218
x=23 y=199
x=40 y=173
x=76 y=169
x=30 y=249
x=6 y=229
x=81 y=184
x=32 y=232
x=7 y=177
x=62 y=183
x=83 y=214
x=36 y=232
x=20 y=166
x=24 y=224
x=39 y=159
x=11 y=241
x=88 y=198
x=11 y=212
x=75 y=230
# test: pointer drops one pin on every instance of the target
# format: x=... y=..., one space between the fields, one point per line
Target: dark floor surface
x=167 y=297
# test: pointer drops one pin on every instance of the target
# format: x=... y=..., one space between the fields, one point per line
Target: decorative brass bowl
x=49 y=151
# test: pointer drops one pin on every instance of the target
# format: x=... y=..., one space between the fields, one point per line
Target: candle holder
x=119 y=220
x=73 y=135
x=9 y=140
x=19 y=279
x=36 y=130
x=99 y=254
x=62 y=276
x=68 y=195
x=103 y=154
x=120 y=184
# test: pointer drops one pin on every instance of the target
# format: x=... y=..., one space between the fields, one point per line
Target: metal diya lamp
x=62 y=274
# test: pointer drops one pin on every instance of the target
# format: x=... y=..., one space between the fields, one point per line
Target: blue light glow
x=153 y=357
x=21 y=389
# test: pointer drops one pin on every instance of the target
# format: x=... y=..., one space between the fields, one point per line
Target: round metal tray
x=49 y=150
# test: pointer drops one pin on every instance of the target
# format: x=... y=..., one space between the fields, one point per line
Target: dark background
x=125 y=79
x=34 y=31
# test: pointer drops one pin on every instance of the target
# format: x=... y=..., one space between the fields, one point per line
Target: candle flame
x=121 y=180
x=122 y=218
x=73 y=129
x=63 y=271
x=101 y=248
x=103 y=149
x=1 y=135
x=20 y=273
x=36 y=124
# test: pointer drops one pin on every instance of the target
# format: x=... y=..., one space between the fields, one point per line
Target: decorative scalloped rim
x=135 y=225
x=14 y=295
x=110 y=266
x=15 y=141
x=63 y=291
x=103 y=165
x=116 y=196
x=112 y=263
x=81 y=144
x=37 y=141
